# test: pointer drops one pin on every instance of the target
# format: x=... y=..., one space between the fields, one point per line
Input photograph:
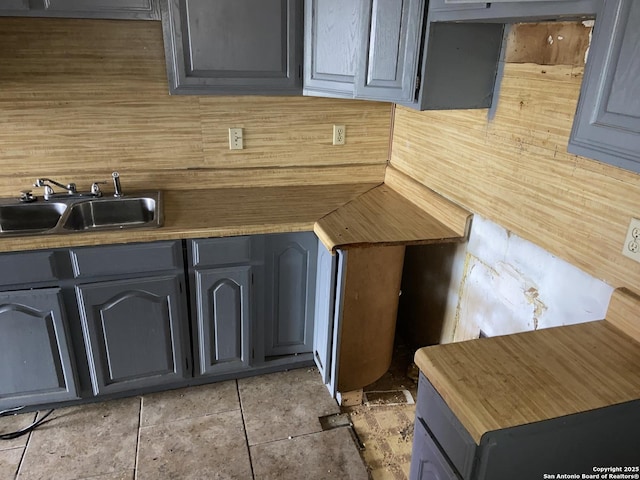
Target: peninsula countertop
x=371 y=213
x=505 y=381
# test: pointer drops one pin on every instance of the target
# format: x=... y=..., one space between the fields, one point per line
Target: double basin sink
x=80 y=213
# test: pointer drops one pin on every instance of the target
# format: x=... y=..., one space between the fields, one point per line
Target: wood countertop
x=216 y=213
x=342 y=215
x=499 y=382
x=381 y=216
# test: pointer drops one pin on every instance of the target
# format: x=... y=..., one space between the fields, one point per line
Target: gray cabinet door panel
x=234 y=46
x=223 y=298
x=324 y=311
x=427 y=461
x=607 y=123
x=291 y=265
x=126 y=259
x=453 y=438
x=215 y=252
x=332 y=40
x=36 y=364
x=28 y=267
x=133 y=333
x=389 y=51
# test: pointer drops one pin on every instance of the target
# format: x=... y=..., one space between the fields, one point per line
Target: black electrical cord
x=25 y=430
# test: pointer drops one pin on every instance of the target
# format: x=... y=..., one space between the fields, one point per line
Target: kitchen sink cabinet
x=37 y=361
x=135 y=333
x=113 y=9
x=233 y=47
x=444 y=449
x=290 y=287
x=607 y=121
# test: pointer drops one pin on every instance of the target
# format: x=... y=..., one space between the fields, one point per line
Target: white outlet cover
x=235 y=139
x=631 y=247
x=339 y=134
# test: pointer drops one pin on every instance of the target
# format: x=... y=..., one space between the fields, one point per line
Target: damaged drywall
x=510 y=285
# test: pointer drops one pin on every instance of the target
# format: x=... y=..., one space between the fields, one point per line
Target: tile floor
x=263 y=427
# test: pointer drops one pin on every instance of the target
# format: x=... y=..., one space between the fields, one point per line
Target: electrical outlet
x=339 y=134
x=631 y=247
x=235 y=139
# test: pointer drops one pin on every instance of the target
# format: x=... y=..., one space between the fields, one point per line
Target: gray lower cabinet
x=116 y=9
x=607 y=122
x=223 y=318
x=134 y=333
x=572 y=444
x=36 y=364
x=233 y=46
x=290 y=267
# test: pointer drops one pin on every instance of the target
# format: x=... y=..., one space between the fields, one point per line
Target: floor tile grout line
x=135 y=462
x=244 y=428
x=24 y=450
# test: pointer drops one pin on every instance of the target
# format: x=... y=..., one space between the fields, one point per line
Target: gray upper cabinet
x=36 y=364
x=223 y=302
x=133 y=332
x=389 y=50
x=116 y=9
x=290 y=291
x=607 y=122
x=332 y=40
x=509 y=11
x=233 y=47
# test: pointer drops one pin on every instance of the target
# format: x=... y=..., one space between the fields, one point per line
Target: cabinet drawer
x=126 y=259
x=446 y=428
x=220 y=251
x=18 y=268
x=427 y=461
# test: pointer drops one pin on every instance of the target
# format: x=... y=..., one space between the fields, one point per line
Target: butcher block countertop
x=499 y=382
x=342 y=215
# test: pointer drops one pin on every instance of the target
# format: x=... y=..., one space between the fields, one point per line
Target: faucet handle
x=95 y=188
x=26 y=196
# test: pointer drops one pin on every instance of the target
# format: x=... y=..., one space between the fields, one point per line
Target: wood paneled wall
x=515 y=170
x=81 y=98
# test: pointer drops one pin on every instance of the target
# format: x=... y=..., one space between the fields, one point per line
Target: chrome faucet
x=71 y=190
x=48 y=189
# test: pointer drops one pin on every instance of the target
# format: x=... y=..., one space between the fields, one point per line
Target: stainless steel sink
x=122 y=212
x=80 y=214
x=21 y=218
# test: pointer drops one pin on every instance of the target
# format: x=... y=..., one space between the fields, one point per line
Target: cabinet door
x=223 y=299
x=134 y=332
x=607 y=123
x=324 y=311
x=331 y=43
x=291 y=284
x=233 y=46
x=36 y=364
x=389 y=50
x=427 y=461
x=18 y=5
